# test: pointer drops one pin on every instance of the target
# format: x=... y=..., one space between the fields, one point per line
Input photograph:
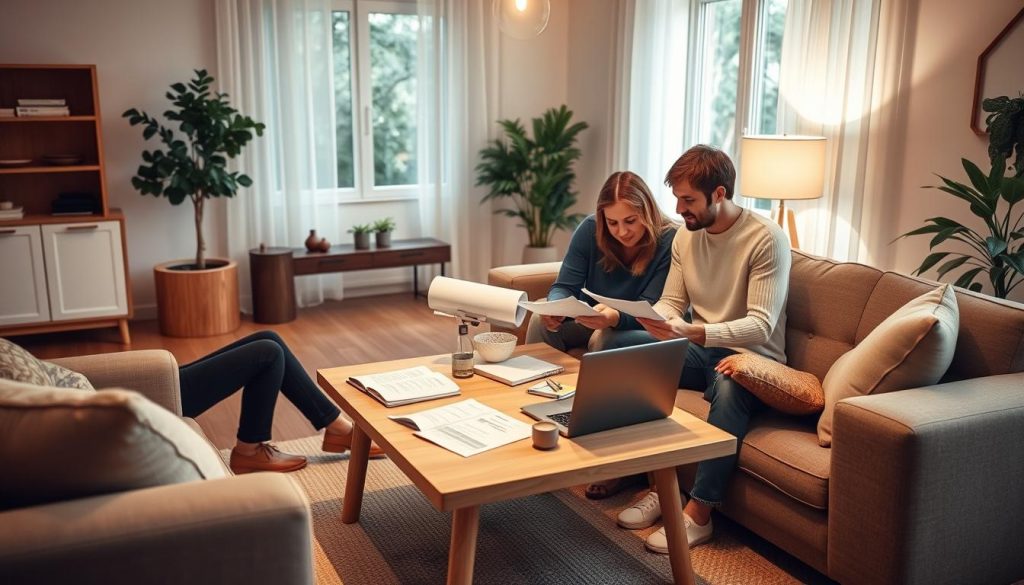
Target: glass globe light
x=522 y=19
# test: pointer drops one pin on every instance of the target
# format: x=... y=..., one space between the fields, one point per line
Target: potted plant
x=382 y=228
x=361 y=232
x=195 y=297
x=537 y=175
x=997 y=251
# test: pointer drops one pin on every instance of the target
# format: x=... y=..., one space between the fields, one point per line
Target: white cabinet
x=23 y=295
x=84 y=270
x=62 y=272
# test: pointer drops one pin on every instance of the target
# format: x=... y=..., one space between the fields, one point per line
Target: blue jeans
x=261 y=364
x=572 y=335
x=732 y=407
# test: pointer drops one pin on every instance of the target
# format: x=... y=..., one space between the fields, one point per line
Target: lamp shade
x=782 y=167
x=522 y=19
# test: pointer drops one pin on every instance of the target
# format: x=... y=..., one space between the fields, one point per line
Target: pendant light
x=522 y=19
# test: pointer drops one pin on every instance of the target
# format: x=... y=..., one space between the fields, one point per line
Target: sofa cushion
x=777 y=385
x=58 y=444
x=21 y=366
x=780 y=451
x=912 y=347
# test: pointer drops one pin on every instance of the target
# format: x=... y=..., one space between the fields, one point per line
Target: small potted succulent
x=362 y=235
x=383 y=228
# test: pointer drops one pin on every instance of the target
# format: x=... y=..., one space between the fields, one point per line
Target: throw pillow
x=913 y=347
x=20 y=366
x=58 y=444
x=777 y=385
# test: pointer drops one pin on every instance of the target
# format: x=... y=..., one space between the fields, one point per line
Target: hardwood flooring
x=335 y=333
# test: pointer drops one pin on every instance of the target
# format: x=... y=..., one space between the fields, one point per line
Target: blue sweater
x=581 y=269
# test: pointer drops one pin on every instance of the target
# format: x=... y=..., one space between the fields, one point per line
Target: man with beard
x=730 y=268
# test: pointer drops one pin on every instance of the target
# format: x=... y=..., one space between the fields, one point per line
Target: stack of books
x=6 y=112
x=42 y=107
x=13 y=213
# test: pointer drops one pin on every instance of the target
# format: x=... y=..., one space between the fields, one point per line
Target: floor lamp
x=783 y=168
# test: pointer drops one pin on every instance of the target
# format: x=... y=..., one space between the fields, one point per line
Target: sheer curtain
x=840 y=78
x=274 y=60
x=458 y=69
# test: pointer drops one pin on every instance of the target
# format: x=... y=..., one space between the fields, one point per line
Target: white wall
x=950 y=34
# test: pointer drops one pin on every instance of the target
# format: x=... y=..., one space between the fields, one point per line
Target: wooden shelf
x=48 y=169
x=38 y=218
x=29 y=119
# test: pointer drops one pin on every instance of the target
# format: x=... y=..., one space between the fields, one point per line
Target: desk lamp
x=783 y=168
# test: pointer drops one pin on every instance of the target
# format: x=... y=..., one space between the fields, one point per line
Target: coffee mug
x=545 y=435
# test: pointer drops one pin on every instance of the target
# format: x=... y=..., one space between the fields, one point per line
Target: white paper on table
x=466 y=427
x=567 y=307
x=636 y=308
x=500 y=306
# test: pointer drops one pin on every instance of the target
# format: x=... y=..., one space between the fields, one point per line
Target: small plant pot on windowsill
x=362 y=241
x=383 y=239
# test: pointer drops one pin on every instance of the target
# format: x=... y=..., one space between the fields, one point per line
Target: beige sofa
x=920 y=486
x=247 y=530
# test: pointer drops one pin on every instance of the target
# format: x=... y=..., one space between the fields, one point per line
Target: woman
x=622 y=251
x=261 y=364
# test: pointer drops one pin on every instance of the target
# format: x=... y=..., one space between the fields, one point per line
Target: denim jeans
x=261 y=364
x=572 y=335
x=732 y=407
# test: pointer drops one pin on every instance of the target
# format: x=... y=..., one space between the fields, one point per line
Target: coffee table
x=461 y=485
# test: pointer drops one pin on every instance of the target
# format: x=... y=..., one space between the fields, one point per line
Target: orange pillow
x=777 y=385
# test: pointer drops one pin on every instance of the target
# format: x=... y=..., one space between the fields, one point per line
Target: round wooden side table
x=273 y=285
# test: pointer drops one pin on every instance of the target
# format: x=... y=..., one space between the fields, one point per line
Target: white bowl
x=494 y=346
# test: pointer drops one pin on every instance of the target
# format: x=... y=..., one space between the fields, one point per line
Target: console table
x=272 y=270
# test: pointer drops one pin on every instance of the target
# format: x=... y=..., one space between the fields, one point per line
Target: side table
x=272 y=275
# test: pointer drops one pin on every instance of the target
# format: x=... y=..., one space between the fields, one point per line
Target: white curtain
x=274 y=60
x=457 y=93
x=840 y=78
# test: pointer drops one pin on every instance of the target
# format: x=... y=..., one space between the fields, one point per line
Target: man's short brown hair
x=705 y=168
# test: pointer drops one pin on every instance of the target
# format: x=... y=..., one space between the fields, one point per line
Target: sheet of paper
x=469 y=427
x=567 y=307
x=635 y=308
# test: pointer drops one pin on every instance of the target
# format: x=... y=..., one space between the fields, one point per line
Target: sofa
x=248 y=529
x=922 y=485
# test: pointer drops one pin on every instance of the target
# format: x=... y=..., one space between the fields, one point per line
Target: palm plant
x=535 y=173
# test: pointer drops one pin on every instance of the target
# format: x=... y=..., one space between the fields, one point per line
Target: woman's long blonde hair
x=631 y=189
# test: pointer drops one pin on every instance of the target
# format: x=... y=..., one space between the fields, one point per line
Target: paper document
x=496 y=305
x=635 y=308
x=466 y=427
x=567 y=307
x=405 y=386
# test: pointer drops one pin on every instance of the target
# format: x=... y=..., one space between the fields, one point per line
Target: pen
x=553 y=385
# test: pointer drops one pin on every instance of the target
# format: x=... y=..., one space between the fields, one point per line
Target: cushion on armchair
x=20 y=366
x=777 y=385
x=58 y=444
x=913 y=347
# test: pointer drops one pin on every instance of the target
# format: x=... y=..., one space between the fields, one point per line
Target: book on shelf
x=8 y=214
x=517 y=370
x=405 y=386
x=551 y=389
x=30 y=102
x=466 y=427
x=61 y=111
x=6 y=112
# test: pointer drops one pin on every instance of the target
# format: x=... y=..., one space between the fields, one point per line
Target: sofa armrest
x=534 y=279
x=925 y=484
x=151 y=372
x=249 y=530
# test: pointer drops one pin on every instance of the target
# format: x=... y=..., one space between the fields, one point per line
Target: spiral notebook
x=517 y=370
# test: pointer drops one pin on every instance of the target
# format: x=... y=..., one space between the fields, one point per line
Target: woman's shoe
x=266 y=458
x=339 y=443
x=600 y=490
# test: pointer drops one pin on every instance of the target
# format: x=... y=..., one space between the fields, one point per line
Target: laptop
x=618 y=387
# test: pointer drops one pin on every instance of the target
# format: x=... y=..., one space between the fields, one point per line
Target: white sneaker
x=641 y=514
x=695 y=534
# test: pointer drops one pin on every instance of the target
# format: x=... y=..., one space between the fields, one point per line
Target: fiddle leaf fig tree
x=535 y=173
x=194 y=166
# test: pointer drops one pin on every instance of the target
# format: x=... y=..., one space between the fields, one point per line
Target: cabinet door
x=85 y=270
x=22 y=276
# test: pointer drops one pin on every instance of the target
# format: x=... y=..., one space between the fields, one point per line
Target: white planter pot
x=533 y=255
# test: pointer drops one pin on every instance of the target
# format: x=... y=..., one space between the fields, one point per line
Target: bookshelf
x=67 y=271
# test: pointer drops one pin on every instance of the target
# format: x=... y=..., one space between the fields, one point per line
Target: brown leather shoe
x=338 y=443
x=266 y=458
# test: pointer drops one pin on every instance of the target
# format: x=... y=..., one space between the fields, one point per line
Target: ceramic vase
x=324 y=245
x=313 y=242
x=532 y=255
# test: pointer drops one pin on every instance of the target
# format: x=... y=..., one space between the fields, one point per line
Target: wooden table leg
x=675 y=530
x=359 y=455
x=462 y=554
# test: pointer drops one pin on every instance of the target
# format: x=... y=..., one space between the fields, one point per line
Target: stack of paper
x=517 y=370
x=406 y=386
x=466 y=427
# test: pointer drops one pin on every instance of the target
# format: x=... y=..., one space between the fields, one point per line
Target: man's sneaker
x=641 y=514
x=695 y=534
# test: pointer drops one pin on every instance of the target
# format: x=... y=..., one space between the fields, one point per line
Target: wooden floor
x=335 y=333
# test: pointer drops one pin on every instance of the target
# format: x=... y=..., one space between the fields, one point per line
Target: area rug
x=557 y=538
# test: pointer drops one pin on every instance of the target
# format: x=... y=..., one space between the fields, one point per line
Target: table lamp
x=783 y=168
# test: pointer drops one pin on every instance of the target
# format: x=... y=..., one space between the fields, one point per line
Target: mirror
x=999 y=70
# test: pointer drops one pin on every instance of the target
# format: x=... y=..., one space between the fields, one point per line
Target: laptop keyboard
x=561 y=418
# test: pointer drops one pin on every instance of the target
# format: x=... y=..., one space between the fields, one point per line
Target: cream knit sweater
x=736 y=283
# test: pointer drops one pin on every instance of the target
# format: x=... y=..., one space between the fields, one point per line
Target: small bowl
x=494 y=346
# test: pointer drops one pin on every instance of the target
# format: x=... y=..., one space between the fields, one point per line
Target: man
x=730 y=267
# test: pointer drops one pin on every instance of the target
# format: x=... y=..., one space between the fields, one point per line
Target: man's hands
x=609 y=317
x=552 y=323
x=673 y=328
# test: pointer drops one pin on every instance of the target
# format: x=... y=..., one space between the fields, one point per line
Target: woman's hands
x=552 y=323
x=609 y=317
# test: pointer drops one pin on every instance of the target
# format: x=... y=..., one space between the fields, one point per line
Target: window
x=716 y=67
x=374 y=53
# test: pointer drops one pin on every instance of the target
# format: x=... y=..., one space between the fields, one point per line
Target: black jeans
x=261 y=364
